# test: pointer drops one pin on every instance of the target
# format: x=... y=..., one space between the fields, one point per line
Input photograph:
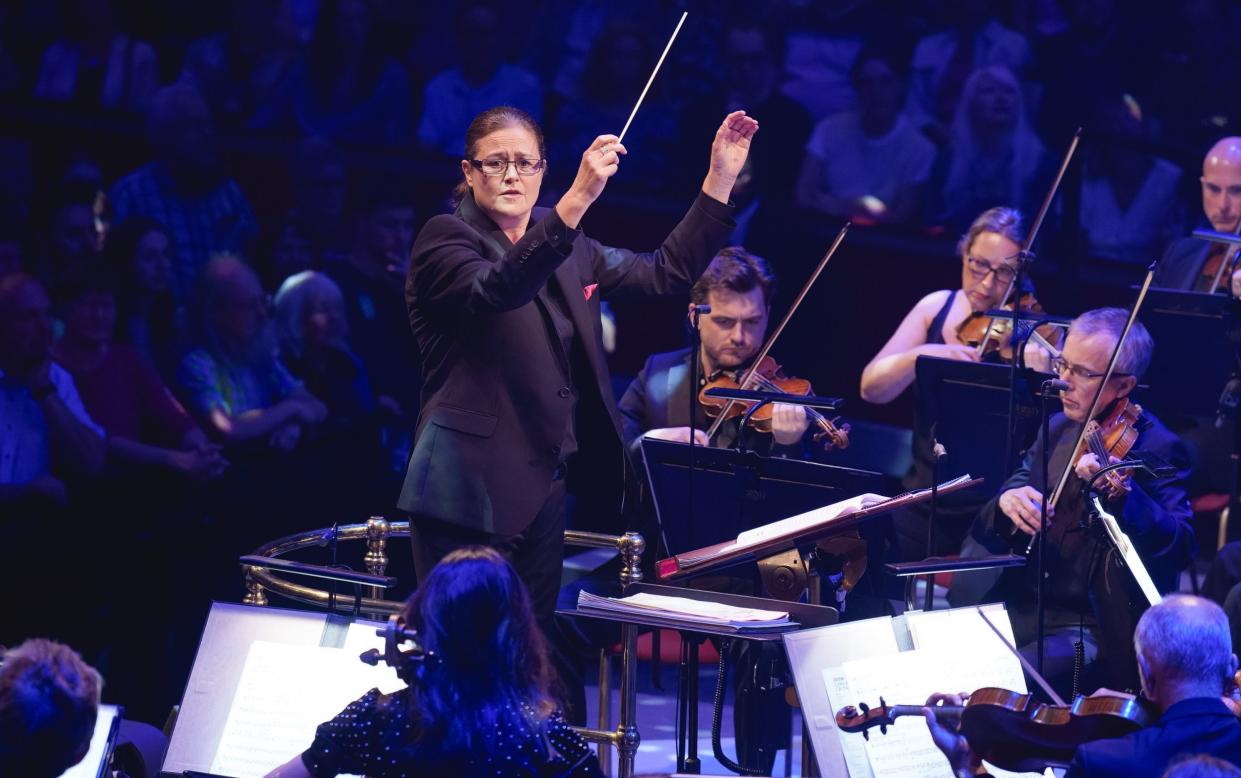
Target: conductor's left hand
x=728 y=154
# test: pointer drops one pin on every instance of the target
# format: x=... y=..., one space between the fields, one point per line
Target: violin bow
x=651 y=80
x=1098 y=395
x=1025 y=664
x=771 y=340
x=1024 y=253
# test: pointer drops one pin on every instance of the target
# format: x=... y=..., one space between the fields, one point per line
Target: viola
x=1113 y=436
x=991 y=334
x=767 y=375
x=1013 y=731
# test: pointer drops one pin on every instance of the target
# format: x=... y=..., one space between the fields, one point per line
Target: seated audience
x=49 y=699
x=312 y=328
x=480 y=81
x=480 y=704
x=233 y=380
x=185 y=188
x=96 y=64
x=345 y=89
x=138 y=255
x=870 y=163
x=47 y=433
x=993 y=156
x=145 y=425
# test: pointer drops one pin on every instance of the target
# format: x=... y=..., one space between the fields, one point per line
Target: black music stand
x=736 y=491
x=1196 y=360
x=966 y=403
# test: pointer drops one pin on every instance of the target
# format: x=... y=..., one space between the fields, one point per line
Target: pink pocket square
x=589 y=290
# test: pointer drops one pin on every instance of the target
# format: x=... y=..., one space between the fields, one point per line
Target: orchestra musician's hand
x=1235 y=285
x=1086 y=468
x=600 y=161
x=1024 y=507
x=788 y=423
x=729 y=150
x=957 y=351
x=1037 y=357
x=677 y=435
x=947 y=738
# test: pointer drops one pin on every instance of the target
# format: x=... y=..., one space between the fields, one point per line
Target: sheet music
x=907 y=751
x=92 y=765
x=878 y=638
x=285 y=692
x=963 y=638
x=809 y=519
x=852 y=746
x=1134 y=562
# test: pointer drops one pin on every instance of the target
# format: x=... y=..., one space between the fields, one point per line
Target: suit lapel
x=676 y=393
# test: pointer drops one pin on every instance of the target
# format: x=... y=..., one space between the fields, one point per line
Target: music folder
x=796 y=531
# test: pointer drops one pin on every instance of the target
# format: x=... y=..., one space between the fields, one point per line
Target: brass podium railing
x=377 y=531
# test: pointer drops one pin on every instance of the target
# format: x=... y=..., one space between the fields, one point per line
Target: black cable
x=717 y=713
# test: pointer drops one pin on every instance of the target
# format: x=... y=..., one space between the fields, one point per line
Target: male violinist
x=738 y=287
x=1192 y=264
x=1089 y=597
x=1186 y=662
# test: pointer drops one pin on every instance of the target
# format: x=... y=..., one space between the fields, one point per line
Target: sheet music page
x=908 y=678
x=92 y=764
x=809 y=519
x=851 y=744
x=285 y=692
x=969 y=646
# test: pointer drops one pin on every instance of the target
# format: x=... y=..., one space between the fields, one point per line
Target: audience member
x=122 y=392
x=992 y=157
x=345 y=89
x=870 y=163
x=73 y=238
x=562 y=37
x=481 y=701
x=480 y=81
x=138 y=254
x=317 y=183
x=372 y=280
x=238 y=71
x=97 y=65
x=48 y=434
x=185 y=188
x=753 y=53
x=943 y=62
x=619 y=64
x=233 y=380
x=49 y=700
x=1129 y=199
x=311 y=327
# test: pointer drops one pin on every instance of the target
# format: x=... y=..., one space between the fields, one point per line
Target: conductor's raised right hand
x=599 y=163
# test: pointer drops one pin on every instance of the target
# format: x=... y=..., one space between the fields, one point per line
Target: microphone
x=937 y=449
x=1053 y=385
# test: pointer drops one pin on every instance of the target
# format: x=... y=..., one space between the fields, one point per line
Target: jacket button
x=564 y=391
x=555 y=450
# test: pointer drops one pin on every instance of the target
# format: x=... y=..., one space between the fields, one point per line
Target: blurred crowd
x=196 y=346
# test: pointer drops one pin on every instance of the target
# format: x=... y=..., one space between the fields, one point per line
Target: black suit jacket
x=1155 y=515
x=1181 y=264
x=495 y=404
x=659 y=397
x=1201 y=725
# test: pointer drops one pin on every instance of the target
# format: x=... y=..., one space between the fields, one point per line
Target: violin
x=1014 y=731
x=767 y=375
x=990 y=334
x=1114 y=436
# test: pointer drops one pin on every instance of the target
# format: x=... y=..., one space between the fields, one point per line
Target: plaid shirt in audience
x=219 y=221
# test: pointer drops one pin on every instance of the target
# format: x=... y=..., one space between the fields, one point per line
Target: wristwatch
x=43 y=392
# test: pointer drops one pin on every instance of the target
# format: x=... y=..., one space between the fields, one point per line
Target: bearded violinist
x=1090 y=597
x=738 y=287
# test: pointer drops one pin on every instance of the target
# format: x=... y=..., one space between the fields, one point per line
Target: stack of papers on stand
x=708 y=614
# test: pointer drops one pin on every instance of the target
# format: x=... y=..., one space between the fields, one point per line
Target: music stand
x=966 y=403
x=1190 y=330
x=735 y=491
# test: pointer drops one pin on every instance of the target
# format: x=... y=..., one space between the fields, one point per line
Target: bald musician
x=1191 y=264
